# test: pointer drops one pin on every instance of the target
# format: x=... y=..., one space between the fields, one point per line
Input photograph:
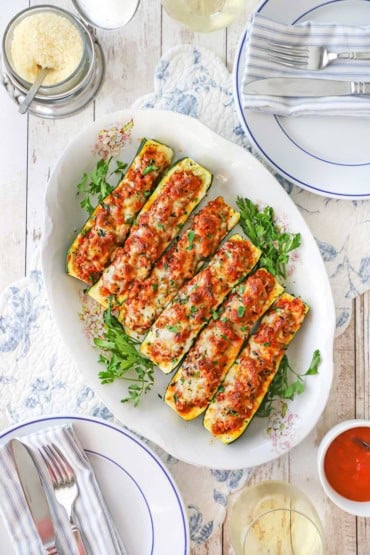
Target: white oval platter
x=236 y=172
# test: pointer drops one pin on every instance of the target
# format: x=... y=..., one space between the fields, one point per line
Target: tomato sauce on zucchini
x=161 y=219
x=219 y=343
x=172 y=335
x=107 y=228
x=246 y=383
x=146 y=299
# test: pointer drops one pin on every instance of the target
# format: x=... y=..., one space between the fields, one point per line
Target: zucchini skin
x=147 y=299
x=219 y=343
x=178 y=193
x=245 y=385
x=108 y=226
x=174 y=332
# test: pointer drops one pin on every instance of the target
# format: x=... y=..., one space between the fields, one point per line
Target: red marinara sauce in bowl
x=344 y=466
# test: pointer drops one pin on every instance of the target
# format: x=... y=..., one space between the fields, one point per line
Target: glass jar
x=68 y=96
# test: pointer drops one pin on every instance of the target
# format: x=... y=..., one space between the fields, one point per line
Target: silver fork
x=309 y=57
x=65 y=486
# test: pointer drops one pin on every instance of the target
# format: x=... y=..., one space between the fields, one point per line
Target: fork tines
x=288 y=55
x=58 y=466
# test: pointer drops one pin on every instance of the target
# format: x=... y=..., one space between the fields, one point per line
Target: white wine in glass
x=204 y=15
x=275 y=518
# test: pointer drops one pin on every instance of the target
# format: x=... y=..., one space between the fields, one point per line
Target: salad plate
x=325 y=155
x=236 y=173
x=142 y=497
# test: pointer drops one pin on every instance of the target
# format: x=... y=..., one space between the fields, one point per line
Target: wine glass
x=206 y=15
x=275 y=518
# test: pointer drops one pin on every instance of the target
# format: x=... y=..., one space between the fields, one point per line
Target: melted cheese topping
x=146 y=299
x=173 y=333
x=92 y=250
x=247 y=381
x=156 y=226
x=219 y=343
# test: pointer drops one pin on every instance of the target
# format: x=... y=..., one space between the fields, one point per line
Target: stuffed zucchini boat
x=241 y=393
x=107 y=228
x=147 y=299
x=173 y=333
x=219 y=343
x=178 y=193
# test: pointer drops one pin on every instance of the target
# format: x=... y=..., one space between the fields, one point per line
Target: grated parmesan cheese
x=46 y=40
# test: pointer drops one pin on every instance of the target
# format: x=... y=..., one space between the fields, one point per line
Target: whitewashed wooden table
x=29 y=149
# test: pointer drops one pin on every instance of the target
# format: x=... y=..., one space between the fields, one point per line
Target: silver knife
x=306 y=87
x=35 y=495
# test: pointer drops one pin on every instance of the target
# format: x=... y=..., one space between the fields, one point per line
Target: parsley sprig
x=284 y=387
x=94 y=186
x=151 y=167
x=123 y=361
x=262 y=230
x=276 y=246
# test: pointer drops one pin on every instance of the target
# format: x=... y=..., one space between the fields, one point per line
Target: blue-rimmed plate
x=143 y=499
x=326 y=155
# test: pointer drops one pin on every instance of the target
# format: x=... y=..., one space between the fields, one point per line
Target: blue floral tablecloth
x=38 y=377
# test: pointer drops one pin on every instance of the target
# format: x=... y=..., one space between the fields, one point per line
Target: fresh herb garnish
x=174 y=329
x=262 y=230
x=120 y=169
x=283 y=387
x=241 y=311
x=151 y=167
x=95 y=185
x=215 y=314
x=123 y=357
x=191 y=237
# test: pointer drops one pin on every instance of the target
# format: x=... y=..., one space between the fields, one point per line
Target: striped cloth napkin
x=336 y=38
x=91 y=514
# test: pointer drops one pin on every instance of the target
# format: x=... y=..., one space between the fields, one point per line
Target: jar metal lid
x=108 y=15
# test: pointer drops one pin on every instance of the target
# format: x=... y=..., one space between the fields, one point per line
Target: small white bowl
x=358 y=508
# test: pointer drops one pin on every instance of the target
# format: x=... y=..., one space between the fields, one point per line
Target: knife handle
x=353 y=55
x=78 y=539
x=360 y=87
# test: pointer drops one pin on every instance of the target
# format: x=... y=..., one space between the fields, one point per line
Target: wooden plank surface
x=13 y=185
x=28 y=154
